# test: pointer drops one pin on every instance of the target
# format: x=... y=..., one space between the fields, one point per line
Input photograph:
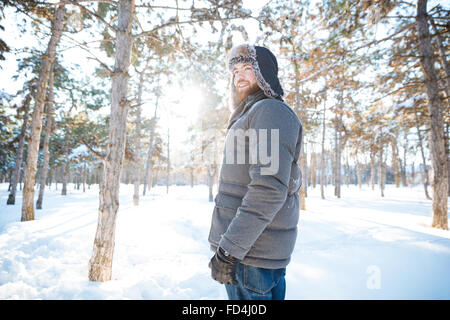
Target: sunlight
x=185 y=102
x=179 y=109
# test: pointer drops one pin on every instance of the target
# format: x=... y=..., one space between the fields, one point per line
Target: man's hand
x=223 y=268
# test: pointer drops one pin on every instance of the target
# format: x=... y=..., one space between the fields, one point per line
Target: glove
x=223 y=268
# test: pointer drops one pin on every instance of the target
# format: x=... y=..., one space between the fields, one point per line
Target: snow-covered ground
x=361 y=246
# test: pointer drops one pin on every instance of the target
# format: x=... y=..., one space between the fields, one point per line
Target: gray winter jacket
x=255 y=215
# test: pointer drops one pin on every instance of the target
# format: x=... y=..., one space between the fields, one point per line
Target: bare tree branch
x=64 y=2
x=86 y=10
x=97 y=153
x=408 y=26
x=409 y=85
x=162 y=7
x=174 y=22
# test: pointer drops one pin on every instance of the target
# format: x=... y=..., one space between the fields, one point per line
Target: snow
x=80 y=151
x=361 y=246
x=4 y=96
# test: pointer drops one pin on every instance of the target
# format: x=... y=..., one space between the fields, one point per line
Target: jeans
x=257 y=284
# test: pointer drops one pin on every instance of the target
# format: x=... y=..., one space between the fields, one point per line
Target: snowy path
x=357 y=247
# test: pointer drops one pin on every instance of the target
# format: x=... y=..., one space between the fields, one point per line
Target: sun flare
x=186 y=101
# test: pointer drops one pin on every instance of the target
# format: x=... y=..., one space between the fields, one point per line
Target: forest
x=111 y=92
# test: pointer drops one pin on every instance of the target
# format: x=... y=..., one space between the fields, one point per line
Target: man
x=254 y=223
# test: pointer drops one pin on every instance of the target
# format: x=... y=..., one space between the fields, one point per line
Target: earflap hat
x=265 y=67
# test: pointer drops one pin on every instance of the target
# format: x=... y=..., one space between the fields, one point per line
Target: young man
x=254 y=223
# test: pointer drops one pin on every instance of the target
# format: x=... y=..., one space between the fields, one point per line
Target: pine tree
x=435 y=107
x=48 y=110
x=19 y=153
x=36 y=123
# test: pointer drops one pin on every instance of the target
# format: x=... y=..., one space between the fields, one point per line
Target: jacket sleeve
x=266 y=192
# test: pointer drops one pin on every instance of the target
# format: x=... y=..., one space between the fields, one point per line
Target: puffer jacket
x=255 y=215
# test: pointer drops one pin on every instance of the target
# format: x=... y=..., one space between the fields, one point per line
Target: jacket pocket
x=261 y=280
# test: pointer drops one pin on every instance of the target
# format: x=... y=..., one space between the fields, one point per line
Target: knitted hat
x=264 y=65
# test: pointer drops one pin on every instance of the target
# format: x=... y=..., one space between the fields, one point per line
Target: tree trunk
x=395 y=162
x=347 y=169
x=137 y=153
x=372 y=168
x=84 y=175
x=405 y=150
x=50 y=178
x=22 y=172
x=402 y=172
x=149 y=163
x=446 y=67
x=359 y=174
x=447 y=150
x=19 y=157
x=425 y=168
x=313 y=169
x=56 y=177
x=442 y=56
x=435 y=106
x=305 y=169
x=66 y=165
x=211 y=172
x=302 y=192
x=155 y=178
x=100 y=264
x=78 y=179
x=337 y=163
x=168 y=160
x=322 y=156
x=36 y=122
x=45 y=152
x=381 y=171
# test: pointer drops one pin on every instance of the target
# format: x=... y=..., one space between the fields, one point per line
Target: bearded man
x=254 y=222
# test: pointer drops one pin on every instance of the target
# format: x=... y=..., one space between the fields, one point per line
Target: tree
x=36 y=123
x=435 y=107
x=19 y=153
x=100 y=264
x=45 y=150
x=7 y=137
x=137 y=139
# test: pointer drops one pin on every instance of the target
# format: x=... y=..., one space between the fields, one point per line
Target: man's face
x=244 y=80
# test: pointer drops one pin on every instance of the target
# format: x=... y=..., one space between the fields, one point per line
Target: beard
x=245 y=92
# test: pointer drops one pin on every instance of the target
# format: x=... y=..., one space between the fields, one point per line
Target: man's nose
x=238 y=76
